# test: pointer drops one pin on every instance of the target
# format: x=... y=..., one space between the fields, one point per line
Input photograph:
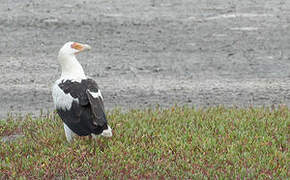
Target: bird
x=77 y=98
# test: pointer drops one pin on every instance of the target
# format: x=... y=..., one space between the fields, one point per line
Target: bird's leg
x=94 y=136
x=90 y=138
x=69 y=134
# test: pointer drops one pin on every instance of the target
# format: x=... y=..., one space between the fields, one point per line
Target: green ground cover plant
x=178 y=142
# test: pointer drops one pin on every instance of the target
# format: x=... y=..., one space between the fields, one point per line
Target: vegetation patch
x=179 y=142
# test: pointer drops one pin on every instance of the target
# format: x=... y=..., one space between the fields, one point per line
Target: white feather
x=107 y=132
x=96 y=95
x=61 y=100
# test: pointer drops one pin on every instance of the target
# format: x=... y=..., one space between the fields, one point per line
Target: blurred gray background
x=147 y=52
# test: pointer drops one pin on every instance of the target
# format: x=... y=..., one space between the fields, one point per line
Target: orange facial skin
x=77 y=46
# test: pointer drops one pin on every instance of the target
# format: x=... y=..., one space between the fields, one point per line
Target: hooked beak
x=86 y=47
x=80 y=47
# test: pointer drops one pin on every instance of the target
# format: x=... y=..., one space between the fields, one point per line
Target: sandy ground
x=148 y=52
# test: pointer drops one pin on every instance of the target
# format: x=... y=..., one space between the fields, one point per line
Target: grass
x=179 y=142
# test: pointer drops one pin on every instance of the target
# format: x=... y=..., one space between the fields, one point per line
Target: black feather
x=87 y=115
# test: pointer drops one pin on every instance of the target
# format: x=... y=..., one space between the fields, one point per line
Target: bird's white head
x=71 y=68
x=73 y=48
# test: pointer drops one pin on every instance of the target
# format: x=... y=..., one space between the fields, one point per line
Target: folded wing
x=84 y=112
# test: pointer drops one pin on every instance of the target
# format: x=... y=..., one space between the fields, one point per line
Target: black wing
x=87 y=115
